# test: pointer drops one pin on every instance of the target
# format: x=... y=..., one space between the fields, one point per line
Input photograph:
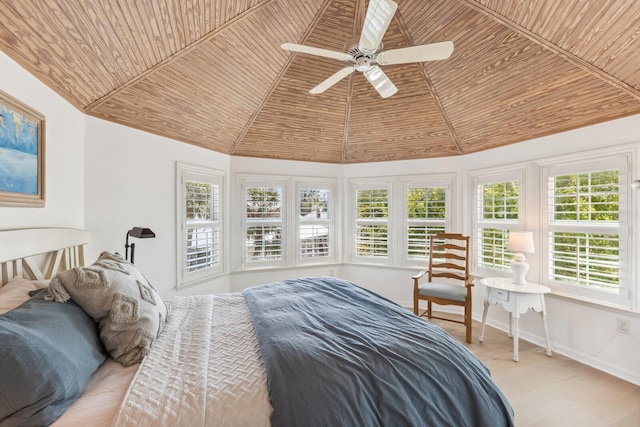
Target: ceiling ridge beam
x=570 y=57
x=427 y=81
x=277 y=80
x=212 y=34
x=358 y=22
x=347 y=120
x=358 y=18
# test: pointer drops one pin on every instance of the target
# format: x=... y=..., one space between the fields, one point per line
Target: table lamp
x=520 y=242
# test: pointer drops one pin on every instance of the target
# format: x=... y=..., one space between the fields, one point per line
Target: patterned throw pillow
x=128 y=309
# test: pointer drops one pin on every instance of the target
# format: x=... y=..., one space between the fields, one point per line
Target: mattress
x=100 y=400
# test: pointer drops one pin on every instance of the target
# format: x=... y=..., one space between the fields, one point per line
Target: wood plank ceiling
x=211 y=72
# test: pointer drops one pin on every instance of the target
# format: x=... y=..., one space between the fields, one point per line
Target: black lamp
x=140 y=233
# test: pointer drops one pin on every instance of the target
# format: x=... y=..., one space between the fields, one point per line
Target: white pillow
x=16 y=291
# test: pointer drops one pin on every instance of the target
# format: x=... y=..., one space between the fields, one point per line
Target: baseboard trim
x=581 y=357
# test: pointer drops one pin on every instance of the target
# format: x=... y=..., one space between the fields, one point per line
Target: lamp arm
x=126 y=246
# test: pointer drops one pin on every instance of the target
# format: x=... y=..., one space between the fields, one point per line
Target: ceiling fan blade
x=378 y=18
x=341 y=56
x=380 y=81
x=425 y=52
x=332 y=80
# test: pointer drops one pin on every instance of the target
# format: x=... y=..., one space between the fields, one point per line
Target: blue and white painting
x=18 y=152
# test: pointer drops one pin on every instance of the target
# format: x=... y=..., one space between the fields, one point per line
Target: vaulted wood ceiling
x=212 y=73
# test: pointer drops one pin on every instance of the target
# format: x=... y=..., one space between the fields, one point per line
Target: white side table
x=517 y=300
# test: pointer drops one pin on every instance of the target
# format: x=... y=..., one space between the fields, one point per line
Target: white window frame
x=264 y=182
x=363 y=185
x=622 y=297
x=290 y=220
x=326 y=220
x=493 y=176
x=186 y=172
x=445 y=224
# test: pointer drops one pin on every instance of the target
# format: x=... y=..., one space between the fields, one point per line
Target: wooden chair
x=448 y=259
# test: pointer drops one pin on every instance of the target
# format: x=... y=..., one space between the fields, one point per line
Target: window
x=372 y=228
x=426 y=207
x=393 y=217
x=315 y=222
x=287 y=221
x=497 y=211
x=200 y=227
x=264 y=223
x=586 y=228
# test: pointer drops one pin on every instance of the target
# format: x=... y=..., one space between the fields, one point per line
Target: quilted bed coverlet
x=204 y=369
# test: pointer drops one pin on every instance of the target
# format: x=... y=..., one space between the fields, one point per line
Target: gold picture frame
x=22 y=154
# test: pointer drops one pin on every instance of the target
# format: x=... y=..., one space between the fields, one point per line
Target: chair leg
x=429 y=309
x=415 y=304
x=467 y=323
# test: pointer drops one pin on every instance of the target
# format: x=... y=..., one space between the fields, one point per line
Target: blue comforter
x=339 y=355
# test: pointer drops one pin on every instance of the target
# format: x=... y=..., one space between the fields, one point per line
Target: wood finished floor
x=552 y=391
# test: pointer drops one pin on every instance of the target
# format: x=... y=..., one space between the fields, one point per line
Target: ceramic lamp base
x=519 y=268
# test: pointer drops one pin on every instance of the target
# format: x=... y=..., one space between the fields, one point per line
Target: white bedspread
x=205 y=369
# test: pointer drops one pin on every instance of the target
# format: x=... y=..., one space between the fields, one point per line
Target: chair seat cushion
x=443 y=290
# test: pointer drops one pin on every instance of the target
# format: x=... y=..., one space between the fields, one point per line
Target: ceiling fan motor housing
x=362 y=60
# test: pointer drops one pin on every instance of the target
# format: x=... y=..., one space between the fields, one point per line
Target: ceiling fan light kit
x=367 y=55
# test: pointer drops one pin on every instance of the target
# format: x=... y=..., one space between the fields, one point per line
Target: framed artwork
x=22 y=162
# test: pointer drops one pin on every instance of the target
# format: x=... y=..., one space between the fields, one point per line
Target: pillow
x=128 y=309
x=49 y=351
x=16 y=291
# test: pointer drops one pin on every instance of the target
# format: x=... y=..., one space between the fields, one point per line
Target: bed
x=306 y=351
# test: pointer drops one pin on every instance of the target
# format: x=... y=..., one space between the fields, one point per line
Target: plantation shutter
x=426 y=209
x=586 y=225
x=263 y=225
x=497 y=213
x=200 y=223
x=372 y=223
x=314 y=223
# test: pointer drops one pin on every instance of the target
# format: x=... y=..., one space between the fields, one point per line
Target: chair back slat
x=448 y=266
x=452 y=246
x=449 y=256
x=448 y=275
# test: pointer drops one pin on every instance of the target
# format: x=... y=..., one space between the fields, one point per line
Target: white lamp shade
x=521 y=241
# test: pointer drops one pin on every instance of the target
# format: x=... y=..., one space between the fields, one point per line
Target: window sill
x=601 y=305
x=285 y=267
x=201 y=280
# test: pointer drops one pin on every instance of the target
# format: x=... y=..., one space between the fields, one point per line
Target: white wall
x=130 y=182
x=64 y=153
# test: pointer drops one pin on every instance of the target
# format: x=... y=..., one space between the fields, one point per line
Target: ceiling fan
x=367 y=55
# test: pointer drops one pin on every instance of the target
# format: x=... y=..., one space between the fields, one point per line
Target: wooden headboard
x=40 y=253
